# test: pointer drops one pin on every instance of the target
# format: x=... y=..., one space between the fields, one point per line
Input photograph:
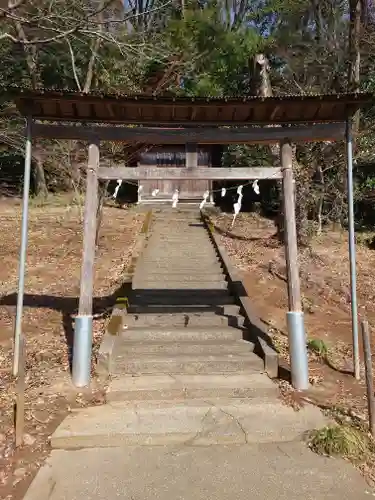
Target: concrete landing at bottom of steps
x=197 y=422
x=287 y=471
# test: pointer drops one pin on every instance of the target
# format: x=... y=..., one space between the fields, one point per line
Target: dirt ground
x=51 y=300
x=324 y=270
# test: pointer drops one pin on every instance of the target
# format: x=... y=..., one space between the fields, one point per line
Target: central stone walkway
x=190 y=413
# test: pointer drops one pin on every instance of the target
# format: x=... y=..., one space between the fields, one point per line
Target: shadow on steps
x=179 y=301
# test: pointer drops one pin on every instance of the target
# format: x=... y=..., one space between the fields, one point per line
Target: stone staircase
x=182 y=377
x=185 y=334
x=183 y=370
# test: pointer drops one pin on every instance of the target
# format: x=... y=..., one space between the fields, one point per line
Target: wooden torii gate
x=97 y=117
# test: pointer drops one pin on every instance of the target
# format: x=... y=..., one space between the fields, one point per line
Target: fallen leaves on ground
x=325 y=283
x=51 y=300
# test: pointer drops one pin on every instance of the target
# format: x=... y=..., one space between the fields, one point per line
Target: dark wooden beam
x=158 y=173
x=212 y=135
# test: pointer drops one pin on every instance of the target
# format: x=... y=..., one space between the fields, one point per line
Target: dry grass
x=51 y=293
x=343 y=441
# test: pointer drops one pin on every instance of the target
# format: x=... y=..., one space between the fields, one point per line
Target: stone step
x=191 y=224
x=163 y=334
x=183 y=211
x=179 y=274
x=178 y=225
x=229 y=309
x=147 y=308
x=182 y=265
x=188 y=237
x=162 y=250
x=202 y=362
x=210 y=294
x=183 y=275
x=184 y=216
x=186 y=269
x=186 y=240
x=174 y=268
x=181 y=297
x=184 y=320
x=190 y=243
x=189 y=246
x=173 y=228
x=159 y=231
x=175 y=234
x=134 y=349
x=180 y=387
x=167 y=284
x=180 y=260
x=193 y=422
x=184 y=219
x=166 y=255
x=166 y=249
x=198 y=263
x=175 y=231
x=175 y=276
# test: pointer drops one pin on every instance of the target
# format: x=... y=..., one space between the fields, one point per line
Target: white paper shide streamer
x=175 y=199
x=256 y=187
x=223 y=192
x=119 y=182
x=155 y=192
x=239 y=190
x=237 y=205
x=206 y=194
x=140 y=191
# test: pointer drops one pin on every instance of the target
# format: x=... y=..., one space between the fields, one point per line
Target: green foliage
x=318 y=346
x=216 y=59
x=344 y=441
x=206 y=50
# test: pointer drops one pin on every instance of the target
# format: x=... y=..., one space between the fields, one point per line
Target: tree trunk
x=31 y=56
x=95 y=47
x=103 y=186
x=261 y=85
x=40 y=178
x=320 y=202
x=356 y=8
x=302 y=194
